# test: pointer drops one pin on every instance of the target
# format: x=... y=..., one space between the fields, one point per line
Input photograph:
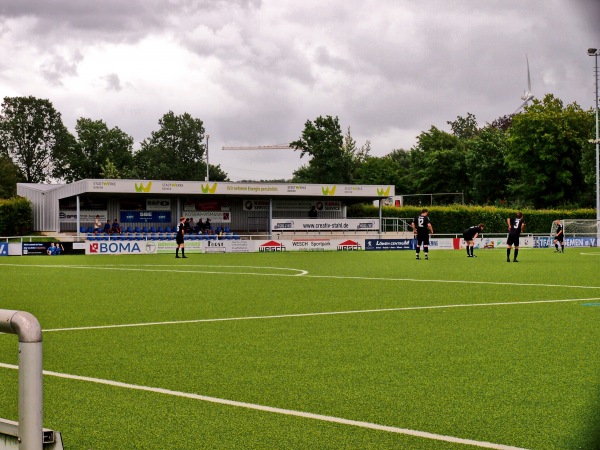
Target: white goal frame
x=577 y=229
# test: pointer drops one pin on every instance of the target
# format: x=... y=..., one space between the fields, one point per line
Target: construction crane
x=261 y=147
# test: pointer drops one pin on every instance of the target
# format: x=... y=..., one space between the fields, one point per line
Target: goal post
x=578 y=232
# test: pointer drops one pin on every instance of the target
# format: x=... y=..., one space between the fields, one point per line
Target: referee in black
x=469 y=236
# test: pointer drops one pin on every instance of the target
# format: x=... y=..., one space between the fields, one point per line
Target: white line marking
x=326 y=313
x=305 y=274
x=212 y=272
x=288 y=412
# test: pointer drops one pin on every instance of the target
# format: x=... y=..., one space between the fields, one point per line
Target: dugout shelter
x=157 y=204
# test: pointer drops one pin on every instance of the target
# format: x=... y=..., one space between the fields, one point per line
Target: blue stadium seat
x=168 y=229
x=160 y=230
x=152 y=230
x=129 y=230
x=137 y=230
x=144 y=229
x=82 y=229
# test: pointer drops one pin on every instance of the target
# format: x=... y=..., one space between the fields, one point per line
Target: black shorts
x=422 y=239
x=559 y=238
x=468 y=237
x=179 y=239
x=513 y=240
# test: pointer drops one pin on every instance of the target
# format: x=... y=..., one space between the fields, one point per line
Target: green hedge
x=456 y=218
x=15 y=217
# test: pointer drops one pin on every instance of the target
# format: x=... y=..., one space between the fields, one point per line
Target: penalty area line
x=271 y=409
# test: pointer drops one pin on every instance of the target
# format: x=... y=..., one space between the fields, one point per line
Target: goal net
x=578 y=232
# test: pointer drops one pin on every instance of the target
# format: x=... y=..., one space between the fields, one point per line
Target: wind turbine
x=527 y=95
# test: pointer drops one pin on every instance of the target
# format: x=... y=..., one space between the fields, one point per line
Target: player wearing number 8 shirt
x=515 y=227
x=422 y=228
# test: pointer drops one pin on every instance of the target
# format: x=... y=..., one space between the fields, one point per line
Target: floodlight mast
x=594 y=52
x=207 y=136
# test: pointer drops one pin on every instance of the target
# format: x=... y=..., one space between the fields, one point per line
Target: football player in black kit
x=469 y=236
x=179 y=238
x=515 y=227
x=559 y=237
x=422 y=228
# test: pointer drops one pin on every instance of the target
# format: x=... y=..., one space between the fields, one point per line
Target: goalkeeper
x=559 y=237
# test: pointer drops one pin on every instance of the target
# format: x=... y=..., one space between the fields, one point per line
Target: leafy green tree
x=31 y=132
x=464 y=127
x=332 y=159
x=96 y=144
x=176 y=151
x=486 y=169
x=545 y=153
x=10 y=175
x=438 y=163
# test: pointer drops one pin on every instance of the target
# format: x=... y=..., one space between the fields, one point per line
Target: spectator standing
x=97 y=225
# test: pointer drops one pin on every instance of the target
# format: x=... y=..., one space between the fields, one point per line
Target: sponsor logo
x=272 y=246
x=170 y=186
x=114 y=247
x=3 y=248
x=284 y=225
x=102 y=184
x=141 y=188
x=383 y=192
x=328 y=191
x=366 y=225
x=206 y=189
x=295 y=188
x=349 y=245
x=151 y=247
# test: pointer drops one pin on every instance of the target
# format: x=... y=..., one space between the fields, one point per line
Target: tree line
x=539 y=158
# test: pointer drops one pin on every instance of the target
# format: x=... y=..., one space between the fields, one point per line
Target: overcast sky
x=255 y=71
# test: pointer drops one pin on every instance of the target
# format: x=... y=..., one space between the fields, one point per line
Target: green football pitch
x=329 y=350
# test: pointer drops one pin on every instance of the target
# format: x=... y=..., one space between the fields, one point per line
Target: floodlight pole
x=207 y=136
x=594 y=52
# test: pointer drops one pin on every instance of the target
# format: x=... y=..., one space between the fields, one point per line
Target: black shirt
x=470 y=233
x=516 y=225
x=421 y=222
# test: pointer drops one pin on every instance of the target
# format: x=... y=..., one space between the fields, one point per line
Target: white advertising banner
x=442 y=243
x=254 y=189
x=325 y=225
x=309 y=245
x=84 y=216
